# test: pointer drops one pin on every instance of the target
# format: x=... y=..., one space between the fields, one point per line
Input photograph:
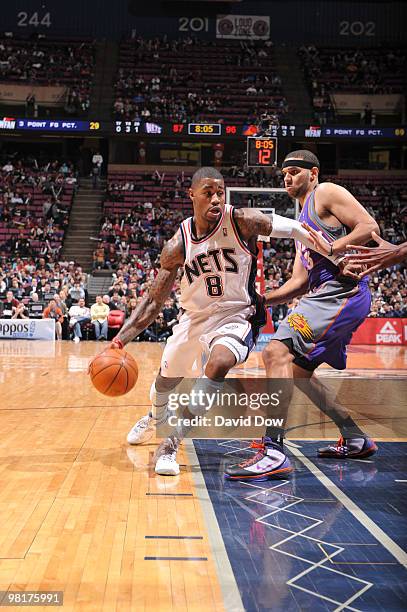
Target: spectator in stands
x=115 y=301
x=170 y=312
x=131 y=306
x=99 y=314
x=49 y=63
x=53 y=312
x=97 y=161
x=159 y=331
x=34 y=297
x=170 y=93
x=31 y=106
x=16 y=289
x=20 y=312
x=45 y=290
x=79 y=314
x=8 y=167
x=106 y=300
x=99 y=258
x=124 y=304
x=60 y=302
x=9 y=305
x=77 y=293
x=35 y=307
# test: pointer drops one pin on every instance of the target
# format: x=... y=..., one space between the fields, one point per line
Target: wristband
x=119 y=343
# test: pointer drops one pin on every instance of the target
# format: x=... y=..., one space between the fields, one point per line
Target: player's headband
x=299 y=163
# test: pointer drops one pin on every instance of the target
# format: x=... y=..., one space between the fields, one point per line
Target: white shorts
x=187 y=350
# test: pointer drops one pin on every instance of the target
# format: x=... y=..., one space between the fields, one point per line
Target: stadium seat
x=115 y=321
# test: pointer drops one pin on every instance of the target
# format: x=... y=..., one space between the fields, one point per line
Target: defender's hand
x=320 y=243
x=373 y=258
x=351 y=269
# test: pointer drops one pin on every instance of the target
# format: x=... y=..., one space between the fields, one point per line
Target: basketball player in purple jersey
x=320 y=327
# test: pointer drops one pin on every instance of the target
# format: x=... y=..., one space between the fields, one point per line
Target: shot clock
x=261 y=151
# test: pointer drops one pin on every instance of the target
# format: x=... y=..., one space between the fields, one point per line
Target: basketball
x=113 y=372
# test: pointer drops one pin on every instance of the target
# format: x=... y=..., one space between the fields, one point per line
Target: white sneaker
x=166 y=456
x=76 y=339
x=142 y=431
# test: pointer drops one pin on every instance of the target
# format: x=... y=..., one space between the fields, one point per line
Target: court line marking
x=320 y=564
x=231 y=595
x=171 y=494
x=292 y=444
x=302 y=534
x=357 y=562
x=313 y=565
x=175 y=558
x=171 y=537
x=76 y=407
x=361 y=516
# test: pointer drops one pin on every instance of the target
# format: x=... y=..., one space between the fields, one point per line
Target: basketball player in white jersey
x=222 y=314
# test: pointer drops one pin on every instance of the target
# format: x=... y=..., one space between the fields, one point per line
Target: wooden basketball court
x=84 y=513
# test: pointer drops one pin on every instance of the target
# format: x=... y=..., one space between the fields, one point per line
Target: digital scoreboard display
x=176 y=129
x=56 y=125
x=261 y=151
x=209 y=129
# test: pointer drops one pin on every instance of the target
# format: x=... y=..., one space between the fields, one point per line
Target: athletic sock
x=202 y=388
x=159 y=403
x=349 y=429
x=274 y=435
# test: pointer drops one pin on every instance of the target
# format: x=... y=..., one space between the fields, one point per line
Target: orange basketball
x=113 y=372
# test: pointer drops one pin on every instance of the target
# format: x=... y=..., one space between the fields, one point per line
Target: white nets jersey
x=219 y=269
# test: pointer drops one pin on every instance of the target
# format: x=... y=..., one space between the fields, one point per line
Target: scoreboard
x=177 y=129
x=260 y=151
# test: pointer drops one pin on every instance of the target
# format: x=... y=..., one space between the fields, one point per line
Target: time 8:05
x=264 y=144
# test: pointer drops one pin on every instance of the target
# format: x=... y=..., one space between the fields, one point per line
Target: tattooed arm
x=252 y=222
x=172 y=257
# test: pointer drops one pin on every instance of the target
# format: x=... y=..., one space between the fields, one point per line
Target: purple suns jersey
x=319 y=268
x=321 y=325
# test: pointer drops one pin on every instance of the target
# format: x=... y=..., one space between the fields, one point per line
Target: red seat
x=115 y=319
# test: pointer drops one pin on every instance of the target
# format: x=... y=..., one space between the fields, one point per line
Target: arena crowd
x=34 y=282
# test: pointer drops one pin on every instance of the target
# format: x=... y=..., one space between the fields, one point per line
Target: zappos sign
x=27 y=329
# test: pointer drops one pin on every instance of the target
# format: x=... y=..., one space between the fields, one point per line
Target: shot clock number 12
x=261 y=151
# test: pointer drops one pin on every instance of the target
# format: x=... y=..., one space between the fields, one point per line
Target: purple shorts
x=321 y=326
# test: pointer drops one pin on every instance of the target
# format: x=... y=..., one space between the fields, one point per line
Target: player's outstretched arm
x=172 y=257
x=296 y=286
x=384 y=255
x=252 y=223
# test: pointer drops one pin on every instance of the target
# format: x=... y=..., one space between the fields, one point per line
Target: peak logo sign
x=388 y=334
